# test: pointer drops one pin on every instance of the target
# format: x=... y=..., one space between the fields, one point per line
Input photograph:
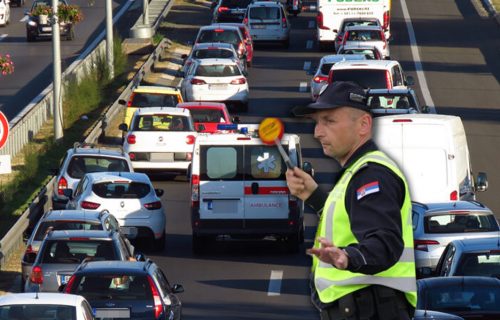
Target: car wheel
x=198 y=244
x=30 y=37
x=23 y=283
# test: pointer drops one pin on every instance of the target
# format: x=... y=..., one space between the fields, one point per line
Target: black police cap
x=336 y=95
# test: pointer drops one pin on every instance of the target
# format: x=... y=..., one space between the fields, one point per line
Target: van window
x=374 y=79
x=265 y=13
x=213 y=168
x=264 y=162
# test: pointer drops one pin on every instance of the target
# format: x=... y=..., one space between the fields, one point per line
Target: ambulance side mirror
x=308 y=168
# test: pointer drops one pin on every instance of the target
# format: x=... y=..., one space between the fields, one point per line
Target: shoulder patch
x=369 y=188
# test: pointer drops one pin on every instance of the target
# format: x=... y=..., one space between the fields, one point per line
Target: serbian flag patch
x=367 y=189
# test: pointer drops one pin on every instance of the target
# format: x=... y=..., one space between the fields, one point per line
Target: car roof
x=94 y=234
x=216 y=61
x=265 y=4
x=333 y=58
x=348 y=19
x=219 y=26
x=390 y=91
x=361 y=27
x=97 y=152
x=205 y=45
x=459 y=281
x=97 y=177
x=84 y=215
x=114 y=266
x=162 y=110
x=41 y=298
x=479 y=244
x=452 y=205
x=157 y=89
x=201 y=105
x=365 y=64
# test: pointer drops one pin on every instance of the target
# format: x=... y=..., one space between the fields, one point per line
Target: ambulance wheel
x=198 y=244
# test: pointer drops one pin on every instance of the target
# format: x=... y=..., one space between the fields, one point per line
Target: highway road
x=33 y=60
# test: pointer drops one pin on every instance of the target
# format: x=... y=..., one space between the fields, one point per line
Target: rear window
x=80 y=165
x=207 y=115
x=485 y=264
x=358 y=23
x=265 y=13
x=125 y=190
x=144 y=100
x=118 y=287
x=162 y=122
x=65 y=225
x=235 y=3
x=220 y=35
x=368 y=53
x=213 y=53
x=264 y=163
x=38 y=312
x=390 y=102
x=364 y=35
x=219 y=70
x=325 y=68
x=75 y=251
x=460 y=223
x=374 y=79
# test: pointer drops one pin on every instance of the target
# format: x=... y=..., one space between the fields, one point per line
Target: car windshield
x=364 y=35
x=217 y=70
x=265 y=13
x=162 y=122
x=113 y=287
x=121 y=190
x=38 y=312
x=144 y=100
x=82 y=164
x=65 y=225
x=219 y=35
x=368 y=78
x=75 y=251
x=235 y=3
x=459 y=223
x=213 y=53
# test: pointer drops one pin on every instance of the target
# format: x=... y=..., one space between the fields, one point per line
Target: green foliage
x=81 y=97
x=157 y=38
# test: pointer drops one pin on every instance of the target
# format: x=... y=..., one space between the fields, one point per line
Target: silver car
x=268 y=22
x=437 y=224
x=62 y=251
x=63 y=220
x=367 y=35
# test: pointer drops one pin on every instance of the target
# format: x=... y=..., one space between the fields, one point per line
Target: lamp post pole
x=56 y=98
x=109 y=39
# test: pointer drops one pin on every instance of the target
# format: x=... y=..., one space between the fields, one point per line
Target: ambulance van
x=332 y=12
x=432 y=152
x=239 y=190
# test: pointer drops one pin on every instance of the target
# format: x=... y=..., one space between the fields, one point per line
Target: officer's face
x=340 y=131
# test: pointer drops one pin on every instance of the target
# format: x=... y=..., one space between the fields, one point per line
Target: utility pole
x=56 y=84
x=145 y=12
x=109 y=39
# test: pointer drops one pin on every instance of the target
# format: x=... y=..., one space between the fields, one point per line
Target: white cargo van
x=238 y=189
x=432 y=151
x=332 y=12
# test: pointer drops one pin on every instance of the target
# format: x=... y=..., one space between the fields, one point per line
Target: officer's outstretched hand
x=300 y=183
x=329 y=253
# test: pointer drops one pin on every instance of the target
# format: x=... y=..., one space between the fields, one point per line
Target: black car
x=230 y=10
x=394 y=101
x=17 y=3
x=126 y=289
x=37 y=27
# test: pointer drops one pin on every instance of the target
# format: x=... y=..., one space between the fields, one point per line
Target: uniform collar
x=368 y=146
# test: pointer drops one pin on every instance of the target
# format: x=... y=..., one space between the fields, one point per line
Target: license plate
x=119 y=313
x=63 y=279
x=162 y=156
x=46 y=29
x=218 y=86
x=259 y=26
x=129 y=232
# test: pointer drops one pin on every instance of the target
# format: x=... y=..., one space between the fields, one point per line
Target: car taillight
x=388 y=80
x=69 y=285
x=131 y=155
x=131 y=139
x=422 y=244
x=222 y=9
x=197 y=81
x=387 y=19
x=319 y=79
x=129 y=103
x=283 y=23
x=239 y=81
x=36 y=276
x=330 y=76
x=190 y=139
x=319 y=21
x=245 y=21
x=402 y=120
x=219 y=30
x=156 y=298
x=153 y=205
x=195 y=191
x=61 y=185
x=454 y=195
x=90 y=205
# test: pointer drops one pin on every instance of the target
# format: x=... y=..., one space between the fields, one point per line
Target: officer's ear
x=365 y=124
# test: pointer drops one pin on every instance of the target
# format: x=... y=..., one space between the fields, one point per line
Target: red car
x=207 y=114
x=247 y=38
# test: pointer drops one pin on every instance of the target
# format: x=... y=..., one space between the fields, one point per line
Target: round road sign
x=4 y=129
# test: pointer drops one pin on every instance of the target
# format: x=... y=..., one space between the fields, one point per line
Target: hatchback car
x=132 y=199
x=394 y=101
x=45 y=305
x=63 y=220
x=436 y=224
x=471 y=257
x=247 y=37
x=38 y=28
x=219 y=80
x=150 y=96
x=207 y=115
x=223 y=33
x=320 y=77
x=82 y=159
x=467 y=297
x=63 y=250
x=351 y=22
x=367 y=35
x=160 y=140
x=122 y=289
x=213 y=50
x=370 y=52
x=268 y=22
x=4 y=12
x=229 y=10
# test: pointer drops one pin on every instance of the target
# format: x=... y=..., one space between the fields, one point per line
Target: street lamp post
x=109 y=39
x=56 y=84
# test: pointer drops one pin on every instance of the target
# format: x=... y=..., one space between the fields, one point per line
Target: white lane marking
x=307 y=65
x=309 y=44
x=3 y=36
x=24 y=19
x=275 y=283
x=416 y=58
x=303 y=87
x=311 y=24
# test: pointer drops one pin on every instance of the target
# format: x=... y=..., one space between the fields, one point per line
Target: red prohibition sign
x=4 y=129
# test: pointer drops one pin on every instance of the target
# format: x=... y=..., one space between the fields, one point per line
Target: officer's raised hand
x=300 y=183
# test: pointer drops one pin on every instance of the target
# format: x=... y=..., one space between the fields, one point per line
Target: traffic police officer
x=363 y=261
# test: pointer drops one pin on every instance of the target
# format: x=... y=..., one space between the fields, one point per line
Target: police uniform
x=379 y=244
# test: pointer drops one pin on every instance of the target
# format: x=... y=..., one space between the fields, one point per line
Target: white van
x=238 y=189
x=432 y=152
x=332 y=12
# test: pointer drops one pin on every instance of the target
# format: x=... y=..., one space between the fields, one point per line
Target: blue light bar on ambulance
x=226 y=126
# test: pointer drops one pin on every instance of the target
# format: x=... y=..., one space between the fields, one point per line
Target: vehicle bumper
x=176 y=165
x=155 y=224
x=241 y=96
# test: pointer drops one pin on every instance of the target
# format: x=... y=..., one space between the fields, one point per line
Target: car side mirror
x=139 y=256
x=123 y=127
x=29 y=257
x=122 y=101
x=200 y=127
x=54 y=171
x=184 y=56
x=177 y=288
x=410 y=81
x=424 y=272
x=181 y=74
x=481 y=182
x=159 y=192
x=336 y=30
x=308 y=168
x=68 y=193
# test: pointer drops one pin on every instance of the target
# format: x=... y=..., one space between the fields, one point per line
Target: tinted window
x=357 y=23
x=364 y=35
x=219 y=70
x=119 y=287
x=38 y=312
x=265 y=13
x=162 y=122
x=219 y=35
x=374 y=79
x=207 y=115
x=235 y=3
x=212 y=168
x=79 y=165
x=213 y=53
x=459 y=223
x=264 y=162
x=391 y=102
x=144 y=100
x=479 y=264
x=459 y=297
x=68 y=251
x=65 y=225
x=118 y=190
x=325 y=68
x=370 y=54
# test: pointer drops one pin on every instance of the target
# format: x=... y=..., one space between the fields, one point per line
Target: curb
x=491 y=9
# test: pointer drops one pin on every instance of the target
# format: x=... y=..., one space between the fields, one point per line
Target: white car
x=45 y=305
x=320 y=78
x=268 y=22
x=132 y=199
x=160 y=139
x=4 y=12
x=367 y=35
x=219 y=80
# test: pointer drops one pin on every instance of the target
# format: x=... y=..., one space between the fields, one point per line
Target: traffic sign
x=4 y=129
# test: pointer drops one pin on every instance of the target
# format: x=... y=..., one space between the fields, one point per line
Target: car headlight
x=32 y=23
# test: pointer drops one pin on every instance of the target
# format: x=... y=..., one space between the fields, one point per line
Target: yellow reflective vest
x=332 y=283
